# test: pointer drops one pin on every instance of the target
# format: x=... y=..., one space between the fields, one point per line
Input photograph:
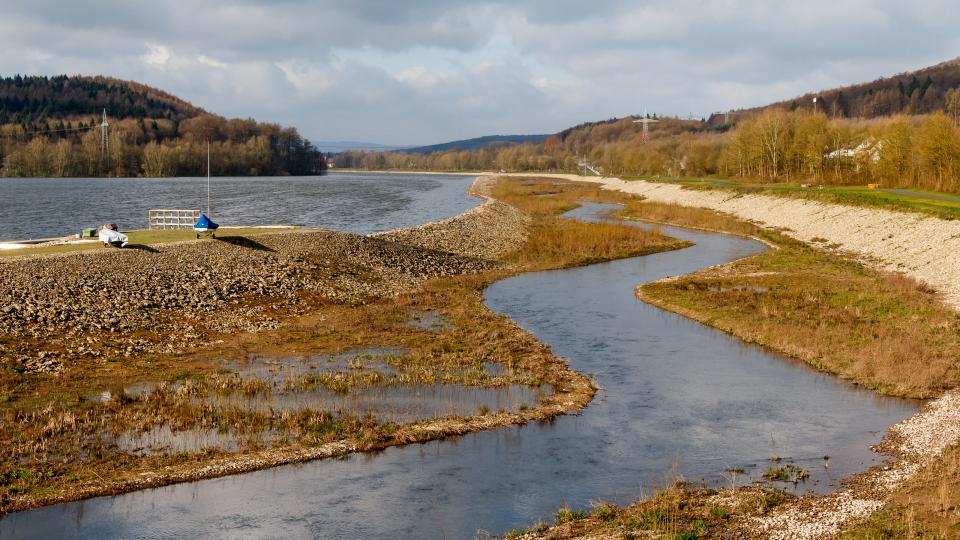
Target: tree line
x=156 y=148
x=773 y=145
x=924 y=91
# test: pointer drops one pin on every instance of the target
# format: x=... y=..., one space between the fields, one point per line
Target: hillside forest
x=49 y=127
x=774 y=145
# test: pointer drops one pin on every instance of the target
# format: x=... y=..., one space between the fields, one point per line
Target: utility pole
x=208 y=178
x=105 y=137
x=646 y=121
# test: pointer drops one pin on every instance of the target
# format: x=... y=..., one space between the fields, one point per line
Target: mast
x=208 y=178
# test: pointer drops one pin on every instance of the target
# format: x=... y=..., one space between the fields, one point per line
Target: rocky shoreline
x=469 y=234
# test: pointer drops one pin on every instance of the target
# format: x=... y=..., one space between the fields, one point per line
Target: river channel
x=673 y=394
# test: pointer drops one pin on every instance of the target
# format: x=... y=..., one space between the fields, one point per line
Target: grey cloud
x=571 y=60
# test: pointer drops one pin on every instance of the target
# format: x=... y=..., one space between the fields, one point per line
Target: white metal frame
x=172 y=218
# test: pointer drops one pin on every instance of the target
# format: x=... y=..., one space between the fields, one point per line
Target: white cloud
x=207 y=61
x=157 y=55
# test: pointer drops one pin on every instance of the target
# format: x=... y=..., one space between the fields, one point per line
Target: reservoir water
x=351 y=202
x=673 y=393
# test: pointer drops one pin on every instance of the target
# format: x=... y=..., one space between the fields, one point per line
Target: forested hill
x=28 y=100
x=50 y=126
x=928 y=90
x=475 y=144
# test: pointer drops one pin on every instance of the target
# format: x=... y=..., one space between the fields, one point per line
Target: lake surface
x=350 y=202
x=673 y=393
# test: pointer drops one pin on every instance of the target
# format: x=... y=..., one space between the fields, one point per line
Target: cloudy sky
x=418 y=72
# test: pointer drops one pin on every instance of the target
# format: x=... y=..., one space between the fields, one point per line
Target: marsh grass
x=927 y=507
x=556 y=242
x=672 y=509
x=879 y=329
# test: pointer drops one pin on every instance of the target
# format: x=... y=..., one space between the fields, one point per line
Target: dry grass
x=882 y=330
x=926 y=508
x=556 y=242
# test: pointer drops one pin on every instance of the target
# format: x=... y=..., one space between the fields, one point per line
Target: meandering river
x=674 y=394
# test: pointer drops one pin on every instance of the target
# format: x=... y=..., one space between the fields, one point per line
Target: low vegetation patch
x=927 y=507
x=882 y=330
x=676 y=511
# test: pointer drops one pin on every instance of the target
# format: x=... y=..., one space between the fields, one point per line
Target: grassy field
x=852 y=195
x=57 y=435
x=141 y=239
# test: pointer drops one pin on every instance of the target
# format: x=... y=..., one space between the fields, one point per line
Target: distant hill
x=335 y=147
x=914 y=92
x=474 y=144
x=50 y=127
x=33 y=99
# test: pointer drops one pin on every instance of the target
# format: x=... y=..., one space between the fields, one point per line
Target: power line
x=84 y=128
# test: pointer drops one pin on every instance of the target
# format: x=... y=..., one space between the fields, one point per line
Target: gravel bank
x=914 y=441
x=488 y=231
x=162 y=298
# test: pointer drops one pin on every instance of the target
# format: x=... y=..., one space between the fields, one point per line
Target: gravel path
x=488 y=231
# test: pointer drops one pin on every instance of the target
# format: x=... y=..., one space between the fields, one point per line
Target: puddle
x=360 y=382
x=430 y=320
x=281 y=370
x=164 y=440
